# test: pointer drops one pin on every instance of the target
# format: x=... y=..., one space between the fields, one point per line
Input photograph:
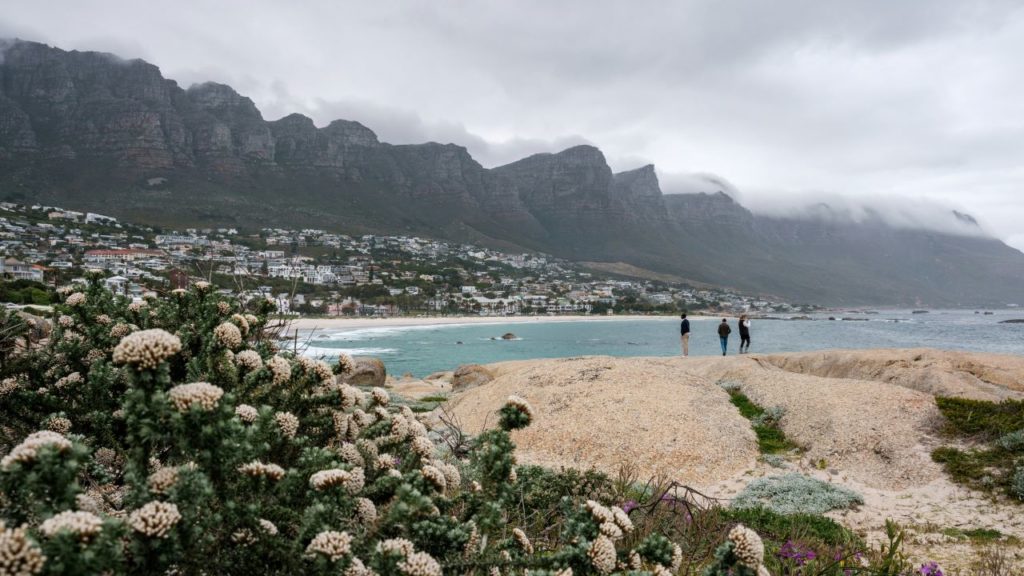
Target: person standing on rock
x=684 y=334
x=744 y=334
x=723 y=334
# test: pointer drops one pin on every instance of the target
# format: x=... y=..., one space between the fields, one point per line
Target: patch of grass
x=770 y=438
x=978 y=535
x=438 y=399
x=998 y=463
x=972 y=467
x=798 y=527
x=987 y=420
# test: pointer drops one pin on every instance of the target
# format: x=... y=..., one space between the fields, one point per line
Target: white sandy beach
x=303 y=324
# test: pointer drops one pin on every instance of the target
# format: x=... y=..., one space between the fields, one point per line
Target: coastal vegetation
x=993 y=458
x=771 y=440
x=171 y=435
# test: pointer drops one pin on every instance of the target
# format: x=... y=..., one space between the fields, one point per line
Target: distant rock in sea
x=1013 y=321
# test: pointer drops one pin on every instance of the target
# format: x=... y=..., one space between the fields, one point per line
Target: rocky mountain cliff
x=94 y=131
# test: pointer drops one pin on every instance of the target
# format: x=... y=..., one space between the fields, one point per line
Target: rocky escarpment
x=93 y=131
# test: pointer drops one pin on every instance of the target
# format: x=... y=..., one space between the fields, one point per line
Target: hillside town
x=318 y=272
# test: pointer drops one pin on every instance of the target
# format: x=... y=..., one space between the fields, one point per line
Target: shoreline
x=311 y=324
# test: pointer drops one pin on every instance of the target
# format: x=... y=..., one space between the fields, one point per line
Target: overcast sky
x=890 y=102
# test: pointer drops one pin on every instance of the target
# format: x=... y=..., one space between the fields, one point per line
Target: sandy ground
x=865 y=419
x=358 y=323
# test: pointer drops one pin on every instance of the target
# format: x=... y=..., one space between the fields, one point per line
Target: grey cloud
x=881 y=99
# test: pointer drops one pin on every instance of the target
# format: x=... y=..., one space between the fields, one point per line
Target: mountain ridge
x=96 y=131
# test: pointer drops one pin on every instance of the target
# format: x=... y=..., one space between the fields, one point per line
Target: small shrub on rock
x=795 y=494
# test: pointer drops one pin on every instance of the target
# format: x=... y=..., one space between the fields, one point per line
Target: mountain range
x=93 y=131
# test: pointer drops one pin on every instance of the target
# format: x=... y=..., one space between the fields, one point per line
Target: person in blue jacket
x=684 y=334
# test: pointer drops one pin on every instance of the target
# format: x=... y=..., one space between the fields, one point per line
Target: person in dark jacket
x=684 y=334
x=723 y=334
x=744 y=334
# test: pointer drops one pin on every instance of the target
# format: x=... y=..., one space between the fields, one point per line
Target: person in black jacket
x=684 y=334
x=744 y=334
x=723 y=334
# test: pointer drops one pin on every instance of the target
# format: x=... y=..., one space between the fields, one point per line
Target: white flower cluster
x=280 y=369
x=419 y=564
x=76 y=299
x=58 y=424
x=228 y=335
x=748 y=547
x=147 y=348
x=350 y=396
x=249 y=359
x=65 y=321
x=366 y=512
x=202 y=286
x=120 y=330
x=70 y=379
x=288 y=423
x=223 y=308
x=422 y=446
x=602 y=554
x=258 y=469
x=8 y=385
x=380 y=396
x=612 y=522
x=155 y=519
x=268 y=527
x=18 y=555
x=522 y=405
x=136 y=307
x=325 y=479
x=345 y=364
x=30 y=446
x=241 y=322
x=162 y=480
x=102 y=319
x=204 y=395
x=435 y=477
x=350 y=454
x=247 y=413
x=522 y=540
x=334 y=545
x=85 y=525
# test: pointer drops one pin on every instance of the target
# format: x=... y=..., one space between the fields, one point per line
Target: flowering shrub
x=173 y=437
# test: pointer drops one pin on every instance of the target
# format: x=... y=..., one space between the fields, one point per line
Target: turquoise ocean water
x=421 y=350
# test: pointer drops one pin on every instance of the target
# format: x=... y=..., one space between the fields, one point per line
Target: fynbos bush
x=171 y=436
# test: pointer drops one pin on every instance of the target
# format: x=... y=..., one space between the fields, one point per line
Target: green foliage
x=1017 y=483
x=25 y=292
x=795 y=493
x=1013 y=442
x=780 y=528
x=980 y=535
x=770 y=437
x=988 y=420
x=996 y=463
x=262 y=463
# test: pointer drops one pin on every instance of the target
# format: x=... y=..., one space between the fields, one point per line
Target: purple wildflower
x=930 y=569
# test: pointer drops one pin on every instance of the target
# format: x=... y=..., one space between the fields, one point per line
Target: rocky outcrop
x=470 y=376
x=366 y=372
x=640 y=194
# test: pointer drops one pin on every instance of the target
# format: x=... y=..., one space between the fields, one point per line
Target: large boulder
x=367 y=372
x=470 y=376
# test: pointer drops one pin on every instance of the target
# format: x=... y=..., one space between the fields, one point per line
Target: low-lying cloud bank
x=895 y=211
